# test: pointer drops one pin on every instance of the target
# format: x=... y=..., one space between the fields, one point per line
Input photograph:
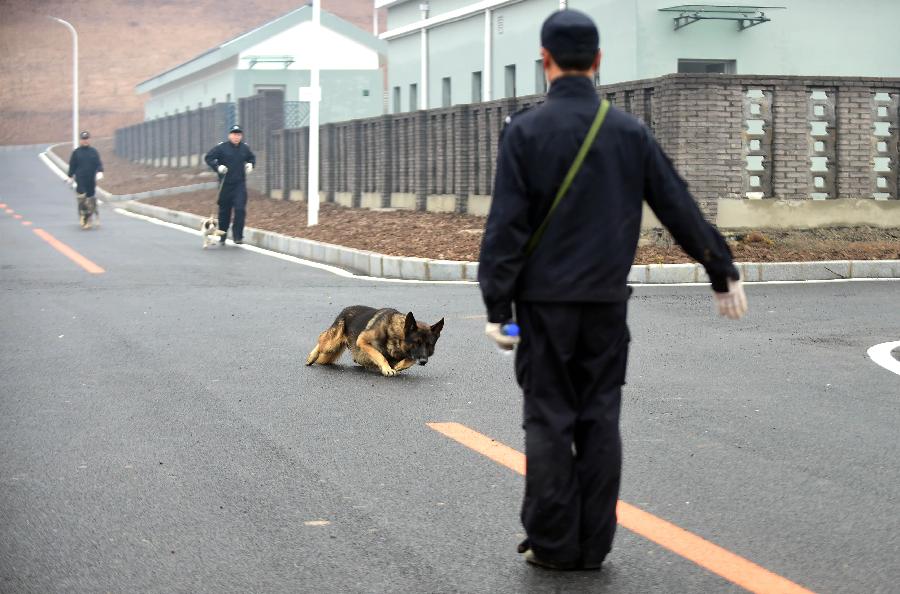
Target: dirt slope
x=121 y=43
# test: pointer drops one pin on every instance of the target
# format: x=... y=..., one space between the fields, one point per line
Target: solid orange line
x=714 y=558
x=69 y=252
x=484 y=445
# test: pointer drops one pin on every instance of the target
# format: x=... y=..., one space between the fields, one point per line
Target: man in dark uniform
x=86 y=169
x=232 y=160
x=570 y=292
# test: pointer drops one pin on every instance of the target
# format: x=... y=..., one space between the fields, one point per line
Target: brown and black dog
x=382 y=340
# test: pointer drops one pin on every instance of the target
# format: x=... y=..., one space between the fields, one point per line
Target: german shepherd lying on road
x=382 y=340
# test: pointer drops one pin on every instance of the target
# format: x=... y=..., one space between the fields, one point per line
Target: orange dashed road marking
x=69 y=252
x=26 y=223
x=714 y=558
x=9 y=211
x=17 y=216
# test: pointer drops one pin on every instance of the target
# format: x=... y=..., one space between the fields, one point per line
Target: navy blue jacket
x=587 y=250
x=232 y=156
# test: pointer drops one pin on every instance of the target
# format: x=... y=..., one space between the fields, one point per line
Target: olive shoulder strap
x=570 y=176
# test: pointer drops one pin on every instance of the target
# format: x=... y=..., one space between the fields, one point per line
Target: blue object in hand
x=511 y=329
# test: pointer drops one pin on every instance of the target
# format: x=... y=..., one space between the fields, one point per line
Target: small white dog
x=210 y=230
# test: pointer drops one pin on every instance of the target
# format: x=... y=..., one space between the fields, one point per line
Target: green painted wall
x=343 y=96
x=462 y=49
x=517 y=41
x=403 y=69
x=810 y=37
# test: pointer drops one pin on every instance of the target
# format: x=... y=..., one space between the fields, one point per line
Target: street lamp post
x=315 y=95
x=74 y=80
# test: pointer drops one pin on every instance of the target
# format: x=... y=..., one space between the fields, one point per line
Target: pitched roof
x=235 y=46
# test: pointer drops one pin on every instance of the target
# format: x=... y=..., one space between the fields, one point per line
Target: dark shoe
x=530 y=557
x=239 y=241
x=524 y=548
x=222 y=240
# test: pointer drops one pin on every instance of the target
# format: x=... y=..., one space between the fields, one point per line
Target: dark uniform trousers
x=571 y=367
x=233 y=196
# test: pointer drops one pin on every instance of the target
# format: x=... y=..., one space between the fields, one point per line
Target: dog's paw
x=388 y=372
x=403 y=364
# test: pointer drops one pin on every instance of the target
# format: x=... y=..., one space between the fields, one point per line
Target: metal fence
x=296 y=114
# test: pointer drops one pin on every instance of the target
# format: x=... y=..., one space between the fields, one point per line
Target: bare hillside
x=121 y=43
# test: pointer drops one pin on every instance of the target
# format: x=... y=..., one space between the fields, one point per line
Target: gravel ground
x=458 y=237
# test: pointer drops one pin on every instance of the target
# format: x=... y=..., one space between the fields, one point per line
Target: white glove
x=495 y=333
x=99 y=175
x=248 y=167
x=222 y=169
x=733 y=304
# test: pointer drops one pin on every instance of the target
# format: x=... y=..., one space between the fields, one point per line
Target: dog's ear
x=436 y=329
x=410 y=325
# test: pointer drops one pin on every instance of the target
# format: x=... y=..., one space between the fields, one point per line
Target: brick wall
x=731 y=136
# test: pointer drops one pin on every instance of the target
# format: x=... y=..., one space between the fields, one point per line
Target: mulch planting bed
x=458 y=237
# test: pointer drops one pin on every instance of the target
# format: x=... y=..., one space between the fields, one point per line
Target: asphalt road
x=160 y=433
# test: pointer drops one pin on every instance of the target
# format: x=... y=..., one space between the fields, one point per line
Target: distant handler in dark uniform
x=86 y=169
x=233 y=161
x=570 y=292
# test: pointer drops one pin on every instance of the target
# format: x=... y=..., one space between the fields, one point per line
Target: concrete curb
x=382 y=266
x=109 y=197
x=357 y=261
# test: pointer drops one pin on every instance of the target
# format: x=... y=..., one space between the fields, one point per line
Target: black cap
x=235 y=130
x=571 y=37
x=85 y=134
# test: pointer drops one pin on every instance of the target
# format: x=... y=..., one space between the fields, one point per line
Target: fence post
x=461 y=177
x=355 y=163
x=384 y=174
x=420 y=159
x=327 y=165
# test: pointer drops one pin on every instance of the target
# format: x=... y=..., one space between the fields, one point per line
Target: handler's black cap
x=235 y=130
x=85 y=134
x=571 y=37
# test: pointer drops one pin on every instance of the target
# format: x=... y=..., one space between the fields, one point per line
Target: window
x=707 y=66
x=397 y=107
x=413 y=97
x=259 y=88
x=477 y=94
x=511 y=80
x=447 y=97
x=540 y=81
